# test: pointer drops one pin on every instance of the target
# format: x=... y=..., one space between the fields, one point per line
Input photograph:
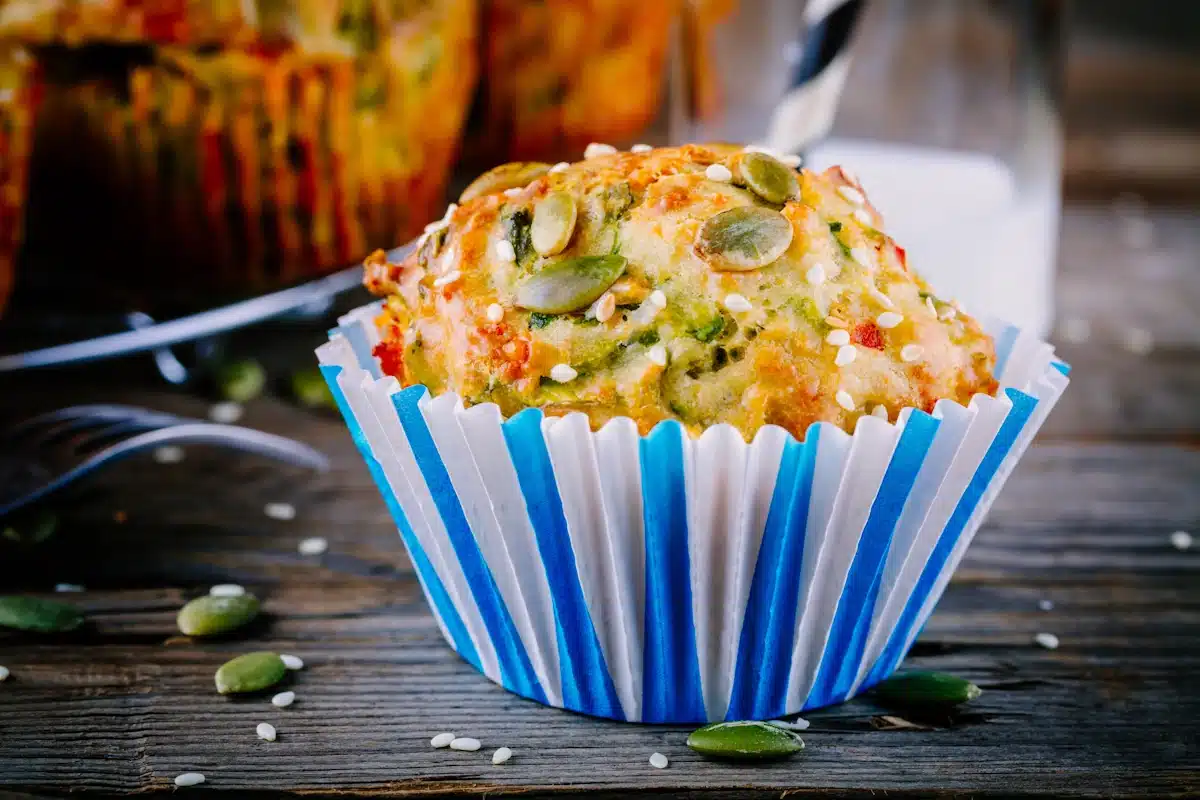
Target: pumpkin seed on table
x=251 y=672
x=766 y=176
x=925 y=689
x=570 y=285
x=553 y=223
x=515 y=175
x=241 y=381
x=744 y=238
x=212 y=615
x=747 y=741
x=38 y=615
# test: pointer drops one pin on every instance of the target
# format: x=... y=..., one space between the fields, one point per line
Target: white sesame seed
x=658 y=761
x=1046 y=605
x=838 y=337
x=283 y=511
x=880 y=411
x=313 y=546
x=657 y=298
x=844 y=400
x=514 y=191
x=283 y=699
x=879 y=296
x=845 y=355
x=861 y=254
x=657 y=355
x=606 y=306
x=1138 y=341
x=225 y=413
x=265 y=731
x=1075 y=330
x=561 y=166
x=68 y=587
x=436 y=226
x=501 y=755
x=863 y=217
x=447 y=279
x=189 y=779
x=889 y=319
x=563 y=373
x=4 y=673
x=596 y=149
x=227 y=590
x=815 y=274
x=852 y=195
x=929 y=304
x=505 y=251
x=442 y=740
x=737 y=303
x=718 y=172
x=798 y=725
x=911 y=352
x=168 y=454
x=495 y=312
x=1046 y=640
x=792 y=159
x=291 y=662
x=1181 y=540
x=641 y=148
x=465 y=743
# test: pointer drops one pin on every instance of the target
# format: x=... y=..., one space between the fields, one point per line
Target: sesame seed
x=283 y=699
x=838 y=337
x=563 y=373
x=283 y=511
x=641 y=148
x=513 y=192
x=1075 y=330
x=718 y=172
x=168 y=454
x=596 y=149
x=657 y=355
x=505 y=251
x=737 y=303
x=929 y=304
x=798 y=725
x=792 y=159
x=313 y=546
x=292 y=662
x=495 y=312
x=1046 y=640
x=863 y=217
x=436 y=226
x=1046 y=605
x=4 y=673
x=657 y=298
x=227 y=590
x=880 y=411
x=465 y=743
x=1138 y=341
x=852 y=195
x=658 y=761
x=882 y=298
x=447 y=279
x=606 y=306
x=815 y=274
x=861 y=255
x=68 y=587
x=845 y=355
x=844 y=400
x=501 y=755
x=225 y=413
x=911 y=352
x=189 y=779
x=1181 y=540
x=442 y=740
x=889 y=319
x=265 y=731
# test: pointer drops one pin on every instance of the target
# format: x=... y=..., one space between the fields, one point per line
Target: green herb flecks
x=648 y=338
x=710 y=330
x=538 y=320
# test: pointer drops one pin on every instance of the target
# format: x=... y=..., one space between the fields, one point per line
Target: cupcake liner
x=663 y=578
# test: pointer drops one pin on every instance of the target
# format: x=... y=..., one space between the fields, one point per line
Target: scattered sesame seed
x=606 y=306
x=880 y=411
x=1075 y=330
x=815 y=274
x=657 y=298
x=838 y=337
x=879 y=296
x=265 y=731
x=657 y=355
x=4 y=673
x=792 y=159
x=844 y=400
x=505 y=251
x=561 y=166
x=718 y=172
x=495 y=312
x=501 y=755
x=225 y=413
x=863 y=217
x=563 y=373
x=862 y=255
x=911 y=352
x=1046 y=640
x=68 y=587
x=798 y=725
x=313 y=546
x=465 y=743
x=283 y=699
x=596 y=149
x=929 y=304
x=189 y=779
x=514 y=191
x=442 y=740
x=641 y=148
x=845 y=355
x=1181 y=540
x=1046 y=605
x=447 y=279
x=168 y=454
x=737 y=303
x=658 y=761
x=227 y=590
x=291 y=662
x=1138 y=341
x=852 y=195
x=284 y=511
x=889 y=319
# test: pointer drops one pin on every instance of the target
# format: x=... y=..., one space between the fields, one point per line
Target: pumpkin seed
x=924 y=689
x=743 y=238
x=553 y=223
x=571 y=284
x=744 y=741
x=311 y=390
x=250 y=673
x=766 y=176
x=516 y=175
x=38 y=615
x=241 y=381
x=213 y=615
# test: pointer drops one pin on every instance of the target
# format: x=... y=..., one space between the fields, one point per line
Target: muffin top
x=705 y=283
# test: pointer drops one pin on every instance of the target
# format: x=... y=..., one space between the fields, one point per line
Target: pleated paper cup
x=663 y=578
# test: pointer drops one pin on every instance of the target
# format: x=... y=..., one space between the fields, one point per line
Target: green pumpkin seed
x=925 y=689
x=744 y=741
x=516 y=175
x=213 y=615
x=553 y=223
x=571 y=284
x=241 y=381
x=743 y=238
x=311 y=390
x=767 y=177
x=38 y=615
x=252 y=672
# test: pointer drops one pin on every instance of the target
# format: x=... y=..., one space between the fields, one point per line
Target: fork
x=48 y=452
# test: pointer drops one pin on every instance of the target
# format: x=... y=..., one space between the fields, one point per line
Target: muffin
x=705 y=284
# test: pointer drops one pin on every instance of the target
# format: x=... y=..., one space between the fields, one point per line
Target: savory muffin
x=708 y=284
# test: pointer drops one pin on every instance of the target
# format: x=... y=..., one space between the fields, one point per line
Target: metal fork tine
x=87 y=414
